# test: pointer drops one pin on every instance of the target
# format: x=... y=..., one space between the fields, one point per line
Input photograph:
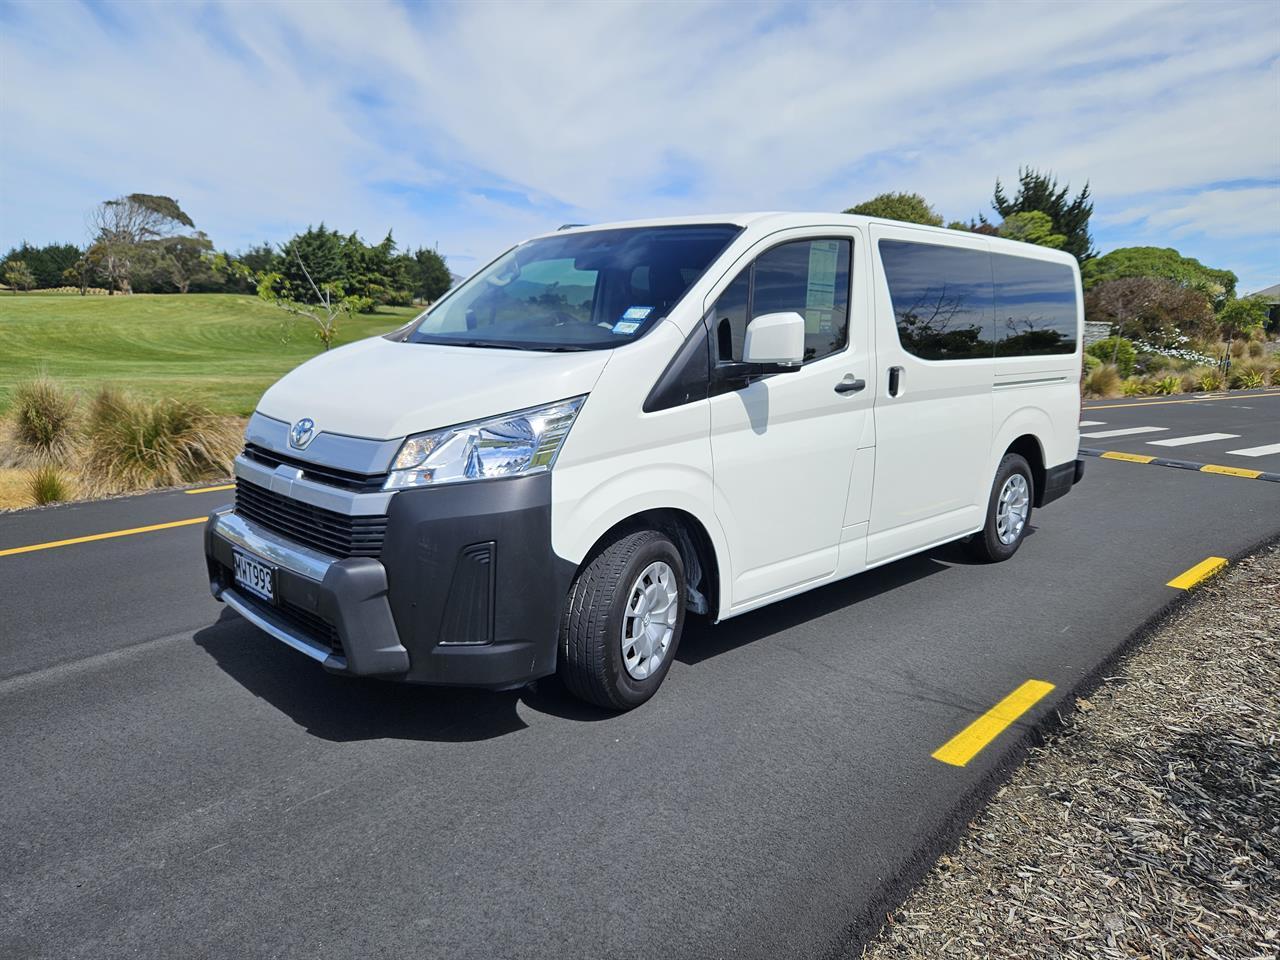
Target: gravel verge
x=1148 y=825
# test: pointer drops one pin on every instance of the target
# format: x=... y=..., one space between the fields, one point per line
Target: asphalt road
x=177 y=784
x=1238 y=429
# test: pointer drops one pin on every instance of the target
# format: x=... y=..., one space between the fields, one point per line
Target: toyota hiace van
x=610 y=428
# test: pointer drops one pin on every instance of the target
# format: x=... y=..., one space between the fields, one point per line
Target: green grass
x=220 y=350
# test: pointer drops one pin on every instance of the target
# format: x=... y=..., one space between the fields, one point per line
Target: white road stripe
x=1257 y=451
x=1198 y=438
x=1128 y=431
x=1093 y=423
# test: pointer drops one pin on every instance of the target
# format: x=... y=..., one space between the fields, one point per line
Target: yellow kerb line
x=966 y=744
x=100 y=536
x=1130 y=457
x=1201 y=571
x=1231 y=471
x=221 y=486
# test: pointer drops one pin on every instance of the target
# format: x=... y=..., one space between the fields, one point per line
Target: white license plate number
x=255 y=576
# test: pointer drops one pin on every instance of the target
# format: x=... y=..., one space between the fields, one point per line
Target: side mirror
x=775 y=340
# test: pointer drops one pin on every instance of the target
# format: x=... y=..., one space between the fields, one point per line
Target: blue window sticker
x=626 y=327
x=637 y=313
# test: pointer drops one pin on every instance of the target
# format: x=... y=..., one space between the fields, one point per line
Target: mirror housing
x=775 y=340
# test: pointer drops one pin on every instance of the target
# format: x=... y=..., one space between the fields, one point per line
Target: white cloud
x=1246 y=212
x=428 y=119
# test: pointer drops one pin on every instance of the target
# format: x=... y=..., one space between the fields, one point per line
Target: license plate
x=255 y=576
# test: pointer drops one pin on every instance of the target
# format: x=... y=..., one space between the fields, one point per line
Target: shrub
x=1118 y=348
x=1167 y=385
x=1257 y=348
x=134 y=444
x=1102 y=382
x=1248 y=377
x=47 y=485
x=44 y=419
x=1238 y=347
x=1210 y=380
x=1154 y=362
x=1134 y=387
x=1091 y=363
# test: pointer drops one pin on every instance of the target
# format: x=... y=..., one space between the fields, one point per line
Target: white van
x=608 y=428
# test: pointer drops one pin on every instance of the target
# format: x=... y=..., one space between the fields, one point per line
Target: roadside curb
x=1214 y=468
x=921 y=860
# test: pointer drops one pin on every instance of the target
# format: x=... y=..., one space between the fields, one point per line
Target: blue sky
x=470 y=126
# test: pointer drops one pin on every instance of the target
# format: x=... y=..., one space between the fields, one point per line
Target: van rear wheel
x=622 y=622
x=1008 y=511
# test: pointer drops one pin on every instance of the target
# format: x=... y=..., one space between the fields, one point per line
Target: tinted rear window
x=1035 y=306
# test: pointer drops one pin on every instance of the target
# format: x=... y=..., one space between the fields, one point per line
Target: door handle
x=850 y=386
x=895 y=381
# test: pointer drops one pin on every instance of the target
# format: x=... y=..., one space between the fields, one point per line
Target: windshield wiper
x=508 y=345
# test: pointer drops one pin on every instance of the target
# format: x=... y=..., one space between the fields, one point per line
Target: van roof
x=781 y=220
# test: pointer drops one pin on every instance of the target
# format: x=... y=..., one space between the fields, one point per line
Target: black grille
x=345 y=479
x=330 y=532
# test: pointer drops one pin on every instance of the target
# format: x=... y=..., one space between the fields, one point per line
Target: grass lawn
x=220 y=349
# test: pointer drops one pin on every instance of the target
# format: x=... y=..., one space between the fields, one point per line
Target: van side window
x=943 y=301
x=1035 y=307
x=808 y=277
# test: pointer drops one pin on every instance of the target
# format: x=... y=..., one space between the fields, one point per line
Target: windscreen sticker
x=637 y=313
x=626 y=327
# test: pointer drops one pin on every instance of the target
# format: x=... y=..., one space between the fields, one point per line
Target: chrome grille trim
x=289 y=482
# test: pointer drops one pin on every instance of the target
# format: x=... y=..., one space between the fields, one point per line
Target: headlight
x=526 y=441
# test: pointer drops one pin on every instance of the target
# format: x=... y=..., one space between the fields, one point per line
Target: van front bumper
x=466 y=590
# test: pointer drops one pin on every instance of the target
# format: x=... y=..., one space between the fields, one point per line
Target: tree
x=1150 y=308
x=81 y=272
x=122 y=229
x=186 y=259
x=1239 y=318
x=1040 y=192
x=431 y=276
x=1161 y=262
x=48 y=263
x=19 y=276
x=326 y=303
x=1032 y=226
x=321 y=251
x=907 y=207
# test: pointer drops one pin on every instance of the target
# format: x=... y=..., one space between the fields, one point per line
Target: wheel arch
x=692 y=539
x=1028 y=447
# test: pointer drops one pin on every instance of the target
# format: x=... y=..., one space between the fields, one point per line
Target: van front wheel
x=622 y=623
x=1008 y=511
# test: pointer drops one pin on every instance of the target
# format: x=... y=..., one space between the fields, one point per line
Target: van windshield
x=590 y=290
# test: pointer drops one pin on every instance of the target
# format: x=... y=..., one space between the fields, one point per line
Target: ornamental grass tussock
x=1149 y=825
x=133 y=444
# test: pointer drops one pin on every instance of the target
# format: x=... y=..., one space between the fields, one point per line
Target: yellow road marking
x=1231 y=471
x=1201 y=571
x=31 y=548
x=1131 y=457
x=221 y=486
x=1159 y=403
x=966 y=744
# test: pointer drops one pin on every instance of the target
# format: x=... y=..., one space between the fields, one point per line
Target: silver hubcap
x=1012 y=508
x=649 y=622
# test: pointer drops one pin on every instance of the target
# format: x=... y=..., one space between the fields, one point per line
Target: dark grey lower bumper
x=466 y=591
x=1059 y=480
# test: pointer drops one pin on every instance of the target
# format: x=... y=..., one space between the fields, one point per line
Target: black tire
x=591 y=662
x=986 y=545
